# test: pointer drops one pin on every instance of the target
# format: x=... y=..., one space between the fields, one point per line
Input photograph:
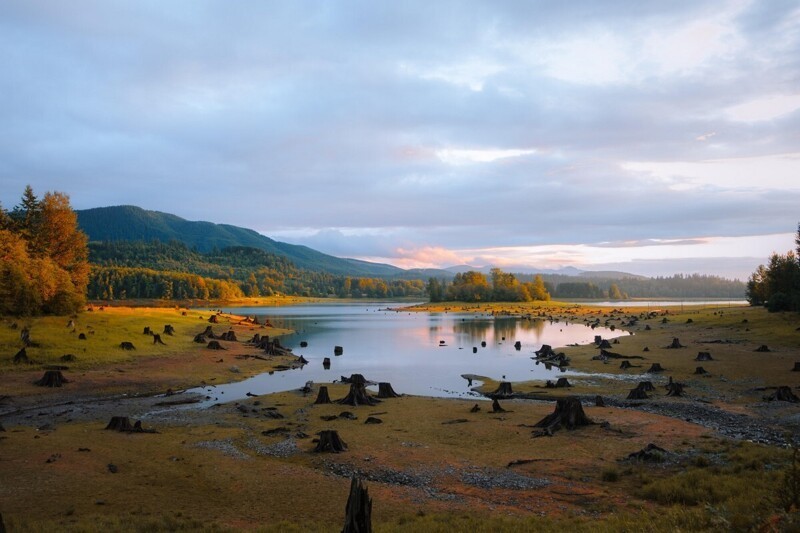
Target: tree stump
x=675 y=344
x=504 y=390
x=373 y=420
x=214 y=345
x=329 y=441
x=624 y=365
x=338 y=350
x=518 y=345
x=21 y=357
x=599 y=402
x=703 y=356
x=358 y=393
x=229 y=336
x=199 y=339
x=637 y=394
x=474 y=349
x=796 y=366
x=157 y=339
x=169 y=330
x=213 y=319
x=598 y=339
x=147 y=331
x=650 y=453
x=496 y=408
x=674 y=389
x=302 y=360
x=322 y=396
x=68 y=358
x=326 y=363
x=647 y=327
x=358 y=511
x=123 y=424
x=568 y=413
x=763 y=349
x=646 y=386
x=82 y=336
x=562 y=383
x=303 y=344
x=385 y=390
x=475 y=408
x=483 y=344
x=783 y=394
x=604 y=344
x=655 y=367
x=125 y=345
x=699 y=371
x=545 y=351
x=208 y=333
x=646 y=349
x=51 y=378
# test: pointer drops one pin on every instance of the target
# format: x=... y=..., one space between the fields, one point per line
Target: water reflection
x=406 y=349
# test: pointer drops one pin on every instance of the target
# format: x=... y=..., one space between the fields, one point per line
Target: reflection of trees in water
x=435 y=332
x=477 y=330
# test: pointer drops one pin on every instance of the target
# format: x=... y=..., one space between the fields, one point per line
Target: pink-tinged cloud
x=427 y=257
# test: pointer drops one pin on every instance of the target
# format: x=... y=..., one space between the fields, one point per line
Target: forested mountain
x=130 y=223
x=136 y=269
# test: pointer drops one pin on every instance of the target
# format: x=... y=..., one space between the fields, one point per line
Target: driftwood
x=125 y=345
x=322 y=395
x=215 y=345
x=504 y=390
x=385 y=390
x=783 y=394
x=358 y=511
x=123 y=423
x=568 y=413
x=703 y=356
x=329 y=441
x=51 y=378
x=157 y=339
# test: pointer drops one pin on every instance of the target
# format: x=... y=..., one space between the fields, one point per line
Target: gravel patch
x=226 y=447
x=284 y=448
x=487 y=478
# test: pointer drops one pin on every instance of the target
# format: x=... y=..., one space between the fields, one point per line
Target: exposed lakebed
x=418 y=353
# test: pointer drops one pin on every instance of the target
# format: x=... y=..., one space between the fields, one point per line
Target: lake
x=406 y=348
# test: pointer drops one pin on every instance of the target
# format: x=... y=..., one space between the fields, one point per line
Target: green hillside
x=131 y=223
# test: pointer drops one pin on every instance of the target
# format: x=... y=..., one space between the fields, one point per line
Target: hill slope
x=131 y=223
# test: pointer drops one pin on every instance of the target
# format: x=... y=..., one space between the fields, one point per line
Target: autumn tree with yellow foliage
x=43 y=257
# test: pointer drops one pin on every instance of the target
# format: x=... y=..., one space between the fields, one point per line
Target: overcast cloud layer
x=652 y=137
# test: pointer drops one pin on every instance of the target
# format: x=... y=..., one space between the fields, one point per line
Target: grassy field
x=431 y=465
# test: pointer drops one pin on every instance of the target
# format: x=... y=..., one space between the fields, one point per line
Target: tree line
x=474 y=286
x=172 y=270
x=776 y=285
x=43 y=257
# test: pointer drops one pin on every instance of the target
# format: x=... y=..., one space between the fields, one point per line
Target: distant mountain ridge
x=131 y=223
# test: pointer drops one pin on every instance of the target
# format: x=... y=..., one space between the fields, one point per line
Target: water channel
x=418 y=353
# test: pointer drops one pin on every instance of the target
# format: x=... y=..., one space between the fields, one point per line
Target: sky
x=650 y=137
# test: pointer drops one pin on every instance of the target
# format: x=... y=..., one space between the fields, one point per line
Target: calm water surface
x=404 y=348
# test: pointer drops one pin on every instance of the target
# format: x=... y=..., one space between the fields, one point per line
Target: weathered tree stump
x=229 y=336
x=209 y=333
x=169 y=330
x=483 y=344
x=624 y=365
x=358 y=511
x=51 y=378
x=214 y=345
x=147 y=331
x=21 y=358
x=329 y=441
x=674 y=389
x=302 y=360
x=123 y=424
x=338 y=350
x=496 y=408
x=125 y=345
x=157 y=339
x=647 y=327
x=326 y=363
x=68 y=358
x=322 y=396
x=604 y=344
x=199 y=339
x=474 y=349
x=373 y=420
x=503 y=390
x=703 y=356
x=783 y=394
x=562 y=383
x=599 y=402
x=598 y=339
x=568 y=413
x=763 y=348
x=699 y=371
x=385 y=390
x=675 y=344
x=545 y=352
x=475 y=408
x=213 y=319
x=358 y=393
x=303 y=344
x=637 y=394
x=646 y=349
x=650 y=453
x=655 y=367
x=82 y=336
x=796 y=366
x=646 y=386
x=518 y=345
